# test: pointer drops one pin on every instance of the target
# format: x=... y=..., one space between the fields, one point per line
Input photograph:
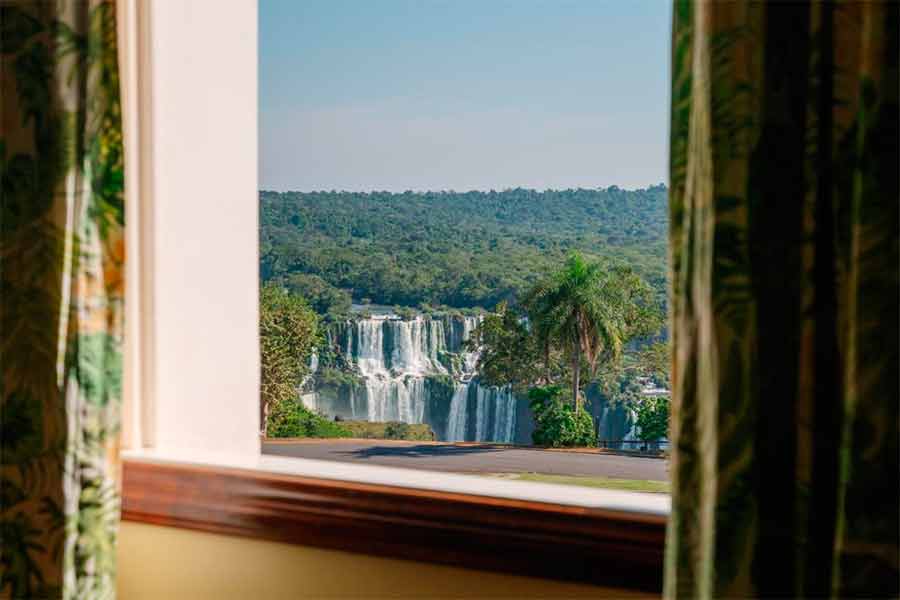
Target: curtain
x=785 y=295
x=61 y=298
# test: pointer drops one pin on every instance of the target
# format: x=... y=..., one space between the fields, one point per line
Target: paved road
x=474 y=458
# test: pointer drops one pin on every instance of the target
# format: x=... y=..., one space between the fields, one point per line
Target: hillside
x=461 y=250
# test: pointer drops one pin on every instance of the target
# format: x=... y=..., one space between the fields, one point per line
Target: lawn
x=609 y=483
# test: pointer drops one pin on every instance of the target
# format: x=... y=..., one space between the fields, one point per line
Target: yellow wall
x=167 y=563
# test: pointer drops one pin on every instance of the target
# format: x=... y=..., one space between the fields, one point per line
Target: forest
x=452 y=249
x=570 y=286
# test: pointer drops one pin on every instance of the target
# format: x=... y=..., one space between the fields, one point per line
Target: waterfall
x=358 y=406
x=470 y=359
x=310 y=401
x=393 y=359
x=417 y=346
x=394 y=400
x=633 y=430
x=457 y=420
x=370 y=347
x=412 y=409
x=481 y=414
x=616 y=421
x=505 y=419
x=494 y=418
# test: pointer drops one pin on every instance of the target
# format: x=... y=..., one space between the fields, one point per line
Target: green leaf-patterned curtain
x=61 y=298
x=786 y=288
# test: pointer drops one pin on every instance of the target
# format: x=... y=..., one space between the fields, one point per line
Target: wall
x=162 y=562
x=203 y=247
x=198 y=300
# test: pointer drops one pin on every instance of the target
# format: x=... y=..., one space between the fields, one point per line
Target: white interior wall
x=201 y=285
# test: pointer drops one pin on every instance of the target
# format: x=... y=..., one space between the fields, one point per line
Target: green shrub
x=292 y=419
x=653 y=418
x=396 y=430
x=557 y=423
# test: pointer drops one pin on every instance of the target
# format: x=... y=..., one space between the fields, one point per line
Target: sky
x=399 y=95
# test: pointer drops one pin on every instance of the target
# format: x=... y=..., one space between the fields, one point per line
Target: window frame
x=522 y=537
x=180 y=471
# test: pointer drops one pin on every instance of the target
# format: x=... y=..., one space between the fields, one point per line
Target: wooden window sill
x=524 y=537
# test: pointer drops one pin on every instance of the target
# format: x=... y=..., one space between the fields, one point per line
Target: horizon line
x=453 y=191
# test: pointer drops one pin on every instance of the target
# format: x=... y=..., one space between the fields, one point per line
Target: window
x=427 y=174
x=195 y=458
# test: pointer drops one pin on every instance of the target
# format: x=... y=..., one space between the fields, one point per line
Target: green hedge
x=292 y=419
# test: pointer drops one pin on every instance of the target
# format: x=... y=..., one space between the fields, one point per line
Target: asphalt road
x=474 y=458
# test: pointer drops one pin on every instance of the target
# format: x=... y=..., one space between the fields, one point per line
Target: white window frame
x=189 y=85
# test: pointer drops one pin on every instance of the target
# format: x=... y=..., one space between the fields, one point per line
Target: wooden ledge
x=512 y=536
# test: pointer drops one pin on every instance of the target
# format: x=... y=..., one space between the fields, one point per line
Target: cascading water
x=395 y=357
x=394 y=400
x=494 y=418
x=456 y=421
x=417 y=345
x=370 y=348
x=470 y=359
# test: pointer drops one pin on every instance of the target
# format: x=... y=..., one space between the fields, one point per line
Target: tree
x=288 y=332
x=590 y=312
x=508 y=354
x=624 y=381
x=461 y=250
x=655 y=361
x=653 y=418
x=322 y=297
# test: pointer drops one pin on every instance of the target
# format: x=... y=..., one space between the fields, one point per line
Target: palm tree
x=590 y=312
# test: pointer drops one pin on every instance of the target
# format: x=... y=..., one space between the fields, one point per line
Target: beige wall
x=163 y=562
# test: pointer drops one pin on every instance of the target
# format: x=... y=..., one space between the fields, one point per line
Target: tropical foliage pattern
x=61 y=283
x=785 y=295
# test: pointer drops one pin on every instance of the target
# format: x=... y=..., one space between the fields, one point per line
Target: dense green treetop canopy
x=469 y=249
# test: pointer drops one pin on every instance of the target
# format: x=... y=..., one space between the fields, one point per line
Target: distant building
x=649 y=388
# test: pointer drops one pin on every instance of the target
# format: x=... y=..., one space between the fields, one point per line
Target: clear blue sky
x=462 y=94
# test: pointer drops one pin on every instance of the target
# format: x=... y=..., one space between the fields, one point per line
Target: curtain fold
x=61 y=298
x=785 y=299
